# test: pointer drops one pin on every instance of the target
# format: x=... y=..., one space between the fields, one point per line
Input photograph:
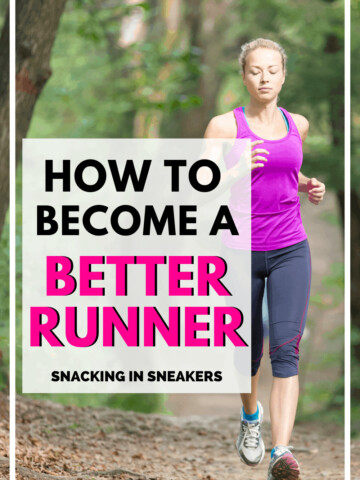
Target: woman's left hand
x=315 y=190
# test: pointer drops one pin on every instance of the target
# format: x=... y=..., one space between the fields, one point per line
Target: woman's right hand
x=251 y=160
x=255 y=157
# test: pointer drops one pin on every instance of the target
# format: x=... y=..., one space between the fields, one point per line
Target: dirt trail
x=83 y=443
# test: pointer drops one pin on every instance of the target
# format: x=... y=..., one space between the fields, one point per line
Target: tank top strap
x=242 y=126
x=292 y=124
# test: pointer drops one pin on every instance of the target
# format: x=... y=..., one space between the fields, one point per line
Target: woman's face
x=264 y=75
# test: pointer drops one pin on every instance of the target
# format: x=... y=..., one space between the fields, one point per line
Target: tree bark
x=206 y=36
x=37 y=22
x=355 y=275
x=206 y=22
x=4 y=121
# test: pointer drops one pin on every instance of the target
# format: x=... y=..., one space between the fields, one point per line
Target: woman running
x=280 y=250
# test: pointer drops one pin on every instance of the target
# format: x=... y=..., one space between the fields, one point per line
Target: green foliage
x=4 y=306
x=313 y=36
x=331 y=218
x=335 y=280
x=75 y=102
x=355 y=185
x=136 y=402
x=102 y=19
x=325 y=398
x=142 y=402
x=99 y=92
x=316 y=398
x=4 y=4
x=333 y=294
x=355 y=95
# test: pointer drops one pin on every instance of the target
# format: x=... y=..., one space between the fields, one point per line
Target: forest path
x=56 y=441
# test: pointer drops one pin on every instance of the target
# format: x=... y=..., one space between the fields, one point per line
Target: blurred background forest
x=163 y=68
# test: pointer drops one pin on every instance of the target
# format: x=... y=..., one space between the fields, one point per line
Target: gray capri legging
x=288 y=273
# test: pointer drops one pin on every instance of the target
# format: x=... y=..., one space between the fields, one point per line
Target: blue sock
x=272 y=452
x=251 y=418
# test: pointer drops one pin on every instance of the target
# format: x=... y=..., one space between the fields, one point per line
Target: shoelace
x=251 y=434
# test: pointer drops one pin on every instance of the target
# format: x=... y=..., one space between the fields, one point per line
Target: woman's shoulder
x=222 y=126
x=302 y=124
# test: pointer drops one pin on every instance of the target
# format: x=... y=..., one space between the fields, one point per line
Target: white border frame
x=347 y=258
x=12 y=246
x=12 y=235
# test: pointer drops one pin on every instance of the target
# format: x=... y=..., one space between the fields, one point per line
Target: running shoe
x=283 y=465
x=250 y=445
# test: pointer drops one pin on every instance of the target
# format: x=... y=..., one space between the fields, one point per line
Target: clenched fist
x=315 y=190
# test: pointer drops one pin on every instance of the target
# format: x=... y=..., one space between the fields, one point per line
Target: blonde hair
x=261 y=43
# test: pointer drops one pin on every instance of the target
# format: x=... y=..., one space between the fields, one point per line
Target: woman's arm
x=313 y=187
x=221 y=126
x=302 y=125
x=224 y=126
x=303 y=181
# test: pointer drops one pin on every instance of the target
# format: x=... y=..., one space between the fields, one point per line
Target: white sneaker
x=283 y=465
x=250 y=445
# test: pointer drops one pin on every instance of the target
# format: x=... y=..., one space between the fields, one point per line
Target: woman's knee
x=285 y=359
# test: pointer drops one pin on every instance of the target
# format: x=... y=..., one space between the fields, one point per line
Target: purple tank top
x=275 y=204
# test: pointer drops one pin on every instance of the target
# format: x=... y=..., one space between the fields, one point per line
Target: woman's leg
x=249 y=400
x=258 y=272
x=234 y=259
x=249 y=443
x=283 y=404
x=288 y=299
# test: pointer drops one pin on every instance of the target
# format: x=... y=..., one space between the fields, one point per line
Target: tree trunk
x=205 y=22
x=4 y=121
x=336 y=100
x=164 y=29
x=37 y=22
x=333 y=46
x=36 y=27
x=206 y=35
x=341 y=199
x=355 y=276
